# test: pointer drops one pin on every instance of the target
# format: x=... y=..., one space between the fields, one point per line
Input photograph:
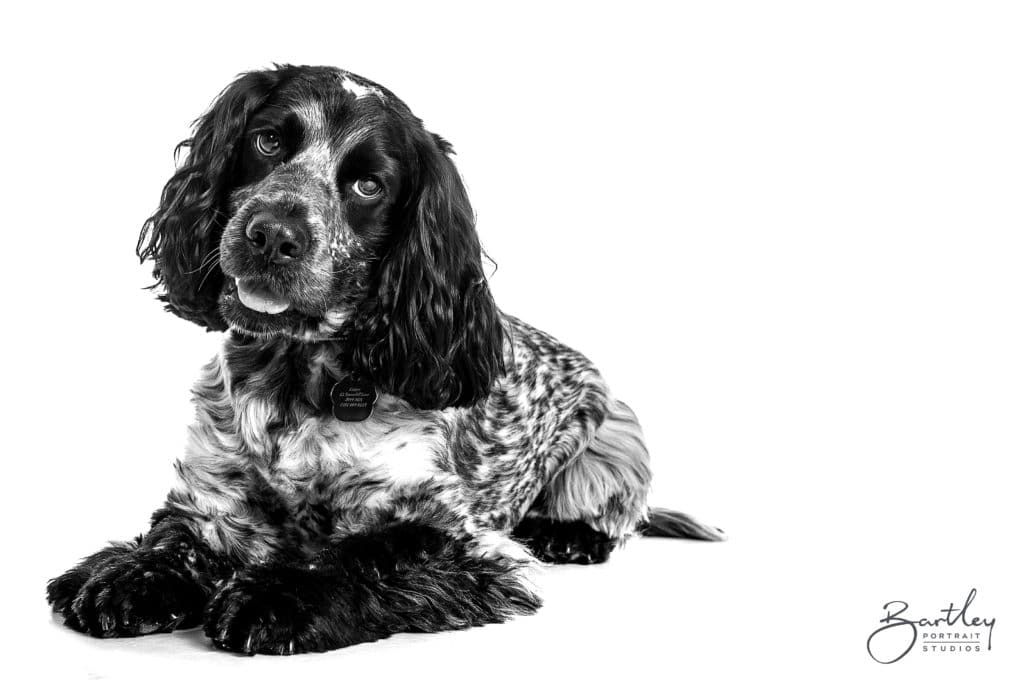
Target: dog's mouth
x=255 y=307
x=260 y=297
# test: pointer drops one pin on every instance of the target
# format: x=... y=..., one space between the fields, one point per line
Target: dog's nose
x=282 y=240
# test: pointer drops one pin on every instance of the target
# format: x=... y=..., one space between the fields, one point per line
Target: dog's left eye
x=368 y=187
x=267 y=143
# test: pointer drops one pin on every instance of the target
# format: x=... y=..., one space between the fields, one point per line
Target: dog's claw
x=248 y=642
x=107 y=622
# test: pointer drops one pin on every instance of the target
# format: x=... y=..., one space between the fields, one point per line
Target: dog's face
x=314 y=205
x=319 y=176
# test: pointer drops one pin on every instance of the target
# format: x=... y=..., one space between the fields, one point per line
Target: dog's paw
x=564 y=542
x=63 y=589
x=276 y=610
x=135 y=594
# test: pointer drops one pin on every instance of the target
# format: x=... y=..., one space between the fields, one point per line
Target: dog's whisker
x=213 y=255
x=210 y=269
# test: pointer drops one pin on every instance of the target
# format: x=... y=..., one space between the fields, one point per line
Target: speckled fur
x=267 y=472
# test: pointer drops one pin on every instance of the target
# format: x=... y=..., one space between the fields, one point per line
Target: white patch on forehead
x=358 y=89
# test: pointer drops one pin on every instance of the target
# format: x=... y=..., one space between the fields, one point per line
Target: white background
x=789 y=233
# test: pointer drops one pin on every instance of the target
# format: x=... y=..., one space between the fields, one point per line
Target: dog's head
x=313 y=204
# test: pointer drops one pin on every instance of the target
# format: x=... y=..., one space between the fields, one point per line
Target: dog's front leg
x=159 y=582
x=399 y=577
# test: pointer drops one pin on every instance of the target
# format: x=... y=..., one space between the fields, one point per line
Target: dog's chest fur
x=266 y=454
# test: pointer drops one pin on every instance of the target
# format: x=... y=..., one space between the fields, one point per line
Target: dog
x=377 y=447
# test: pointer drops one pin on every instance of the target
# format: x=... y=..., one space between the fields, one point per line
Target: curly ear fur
x=433 y=334
x=183 y=236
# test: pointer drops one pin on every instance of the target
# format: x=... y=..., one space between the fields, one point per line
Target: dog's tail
x=665 y=523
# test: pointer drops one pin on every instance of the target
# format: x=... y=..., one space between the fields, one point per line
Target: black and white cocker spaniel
x=377 y=448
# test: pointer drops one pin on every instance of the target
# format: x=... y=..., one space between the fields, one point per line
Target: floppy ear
x=183 y=236
x=433 y=334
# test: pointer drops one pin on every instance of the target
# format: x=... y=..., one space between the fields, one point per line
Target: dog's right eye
x=267 y=143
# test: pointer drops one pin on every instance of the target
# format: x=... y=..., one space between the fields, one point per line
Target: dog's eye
x=368 y=187
x=267 y=143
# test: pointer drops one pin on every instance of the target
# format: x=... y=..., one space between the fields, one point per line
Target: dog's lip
x=261 y=297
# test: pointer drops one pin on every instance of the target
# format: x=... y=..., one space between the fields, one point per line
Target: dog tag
x=352 y=399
